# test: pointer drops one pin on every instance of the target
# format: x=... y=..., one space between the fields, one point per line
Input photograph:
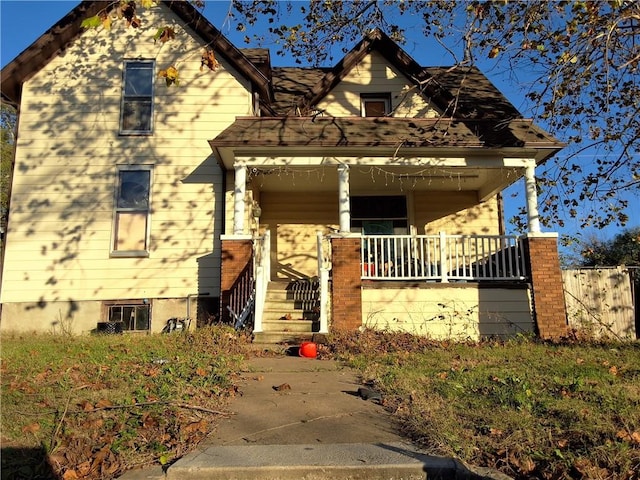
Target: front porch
x=445 y=286
x=397 y=224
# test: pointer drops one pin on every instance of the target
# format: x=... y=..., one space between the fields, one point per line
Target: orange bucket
x=308 y=349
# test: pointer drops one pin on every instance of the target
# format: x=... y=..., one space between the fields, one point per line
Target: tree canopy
x=623 y=249
x=581 y=59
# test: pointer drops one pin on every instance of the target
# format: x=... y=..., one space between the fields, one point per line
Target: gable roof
x=460 y=91
x=396 y=56
x=56 y=39
x=475 y=114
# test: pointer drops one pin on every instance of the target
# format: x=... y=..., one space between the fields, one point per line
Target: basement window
x=132 y=316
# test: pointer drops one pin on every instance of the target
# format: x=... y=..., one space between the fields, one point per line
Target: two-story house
x=286 y=200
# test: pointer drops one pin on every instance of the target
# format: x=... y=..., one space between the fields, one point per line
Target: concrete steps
x=315 y=462
x=290 y=313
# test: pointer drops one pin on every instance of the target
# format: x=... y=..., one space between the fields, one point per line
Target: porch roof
x=403 y=136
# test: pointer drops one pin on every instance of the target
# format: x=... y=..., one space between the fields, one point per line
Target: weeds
x=91 y=407
x=529 y=409
x=95 y=406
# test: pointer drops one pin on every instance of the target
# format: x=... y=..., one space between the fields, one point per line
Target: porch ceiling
x=371 y=179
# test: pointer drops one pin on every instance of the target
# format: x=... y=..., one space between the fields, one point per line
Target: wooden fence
x=600 y=301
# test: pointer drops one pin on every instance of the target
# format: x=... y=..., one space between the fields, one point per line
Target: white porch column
x=239 y=193
x=343 y=199
x=533 y=217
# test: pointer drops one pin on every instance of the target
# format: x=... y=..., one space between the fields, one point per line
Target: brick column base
x=346 y=295
x=236 y=257
x=543 y=263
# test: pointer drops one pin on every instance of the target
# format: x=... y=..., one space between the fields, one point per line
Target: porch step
x=286 y=314
x=292 y=338
x=303 y=326
x=289 y=314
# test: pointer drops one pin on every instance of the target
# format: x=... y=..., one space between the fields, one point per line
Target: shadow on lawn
x=25 y=464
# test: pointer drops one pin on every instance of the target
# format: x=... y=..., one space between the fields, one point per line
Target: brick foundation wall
x=236 y=255
x=543 y=264
x=346 y=295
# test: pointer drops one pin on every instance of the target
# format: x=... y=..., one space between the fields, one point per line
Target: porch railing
x=241 y=299
x=442 y=257
x=324 y=266
x=262 y=262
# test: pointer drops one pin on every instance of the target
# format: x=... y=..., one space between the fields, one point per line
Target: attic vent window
x=375 y=105
x=136 y=112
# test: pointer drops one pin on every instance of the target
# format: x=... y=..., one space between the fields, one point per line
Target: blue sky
x=23 y=21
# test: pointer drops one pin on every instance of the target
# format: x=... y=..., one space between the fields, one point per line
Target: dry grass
x=529 y=409
x=94 y=406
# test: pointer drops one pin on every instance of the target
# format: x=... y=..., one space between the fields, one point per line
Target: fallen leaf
x=193 y=427
x=631 y=437
x=104 y=403
x=259 y=378
x=86 y=405
x=613 y=370
x=284 y=386
x=201 y=372
x=33 y=428
x=83 y=469
x=70 y=475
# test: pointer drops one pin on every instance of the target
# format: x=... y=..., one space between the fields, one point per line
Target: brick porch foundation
x=237 y=254
x=543 y=262
x=346 y=304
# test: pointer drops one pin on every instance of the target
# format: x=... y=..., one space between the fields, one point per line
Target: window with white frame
x=133 y=315
x=375 y=105
x=136 y=111
x=132 y=211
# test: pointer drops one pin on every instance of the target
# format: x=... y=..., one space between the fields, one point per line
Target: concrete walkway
x=300 y=418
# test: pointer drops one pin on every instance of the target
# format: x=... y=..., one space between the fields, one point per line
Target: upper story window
x=132 y=212
x=136 y=112
x=375 y=105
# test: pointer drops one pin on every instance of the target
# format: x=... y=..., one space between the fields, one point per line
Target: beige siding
x=375 y=75
x=455 y=213
x=441 y=311
x=68 y=148
x=294 y=220
x=73 y=317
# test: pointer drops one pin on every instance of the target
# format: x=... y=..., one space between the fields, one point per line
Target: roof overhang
x=383 y=141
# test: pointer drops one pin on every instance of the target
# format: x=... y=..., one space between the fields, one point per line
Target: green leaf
x=91 y=22
x=158 y=34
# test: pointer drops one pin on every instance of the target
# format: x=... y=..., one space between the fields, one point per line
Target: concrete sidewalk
x=300 y=418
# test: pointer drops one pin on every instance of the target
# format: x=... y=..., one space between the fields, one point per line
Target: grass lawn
x=527 y=408
x=94 y=406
